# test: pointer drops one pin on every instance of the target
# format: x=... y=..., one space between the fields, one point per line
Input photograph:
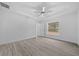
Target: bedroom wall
x=68 y=27
x=15 y=27
x=78 y=28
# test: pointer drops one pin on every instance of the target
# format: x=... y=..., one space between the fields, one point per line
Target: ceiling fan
x=43 y=10
x=4 y=5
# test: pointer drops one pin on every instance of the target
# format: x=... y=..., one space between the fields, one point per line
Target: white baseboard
x=6 y=42
x=60 y=40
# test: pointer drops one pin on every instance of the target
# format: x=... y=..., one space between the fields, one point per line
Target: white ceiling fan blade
x=49 y=11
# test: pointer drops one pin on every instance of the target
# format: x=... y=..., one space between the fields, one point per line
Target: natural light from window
x=53 y=28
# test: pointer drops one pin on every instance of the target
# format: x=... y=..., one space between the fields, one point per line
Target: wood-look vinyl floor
x=39 y=47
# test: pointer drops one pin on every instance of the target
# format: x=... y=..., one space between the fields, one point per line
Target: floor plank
x=40 y=47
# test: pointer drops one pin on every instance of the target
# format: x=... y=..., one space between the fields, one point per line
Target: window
x=53 y=28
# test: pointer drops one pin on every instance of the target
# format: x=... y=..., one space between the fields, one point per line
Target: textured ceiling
x=55 y=8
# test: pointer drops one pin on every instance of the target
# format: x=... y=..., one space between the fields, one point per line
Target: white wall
x=15 y=27
x=78 y=28
x=68 y=28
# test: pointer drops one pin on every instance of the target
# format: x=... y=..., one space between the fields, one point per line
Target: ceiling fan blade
x=4 y=5
x=49 y=11
x=37 y=11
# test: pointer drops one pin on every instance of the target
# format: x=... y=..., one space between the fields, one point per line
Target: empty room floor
x=39 y=47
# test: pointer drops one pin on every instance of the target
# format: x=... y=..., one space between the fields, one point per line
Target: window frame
x=52 y=22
